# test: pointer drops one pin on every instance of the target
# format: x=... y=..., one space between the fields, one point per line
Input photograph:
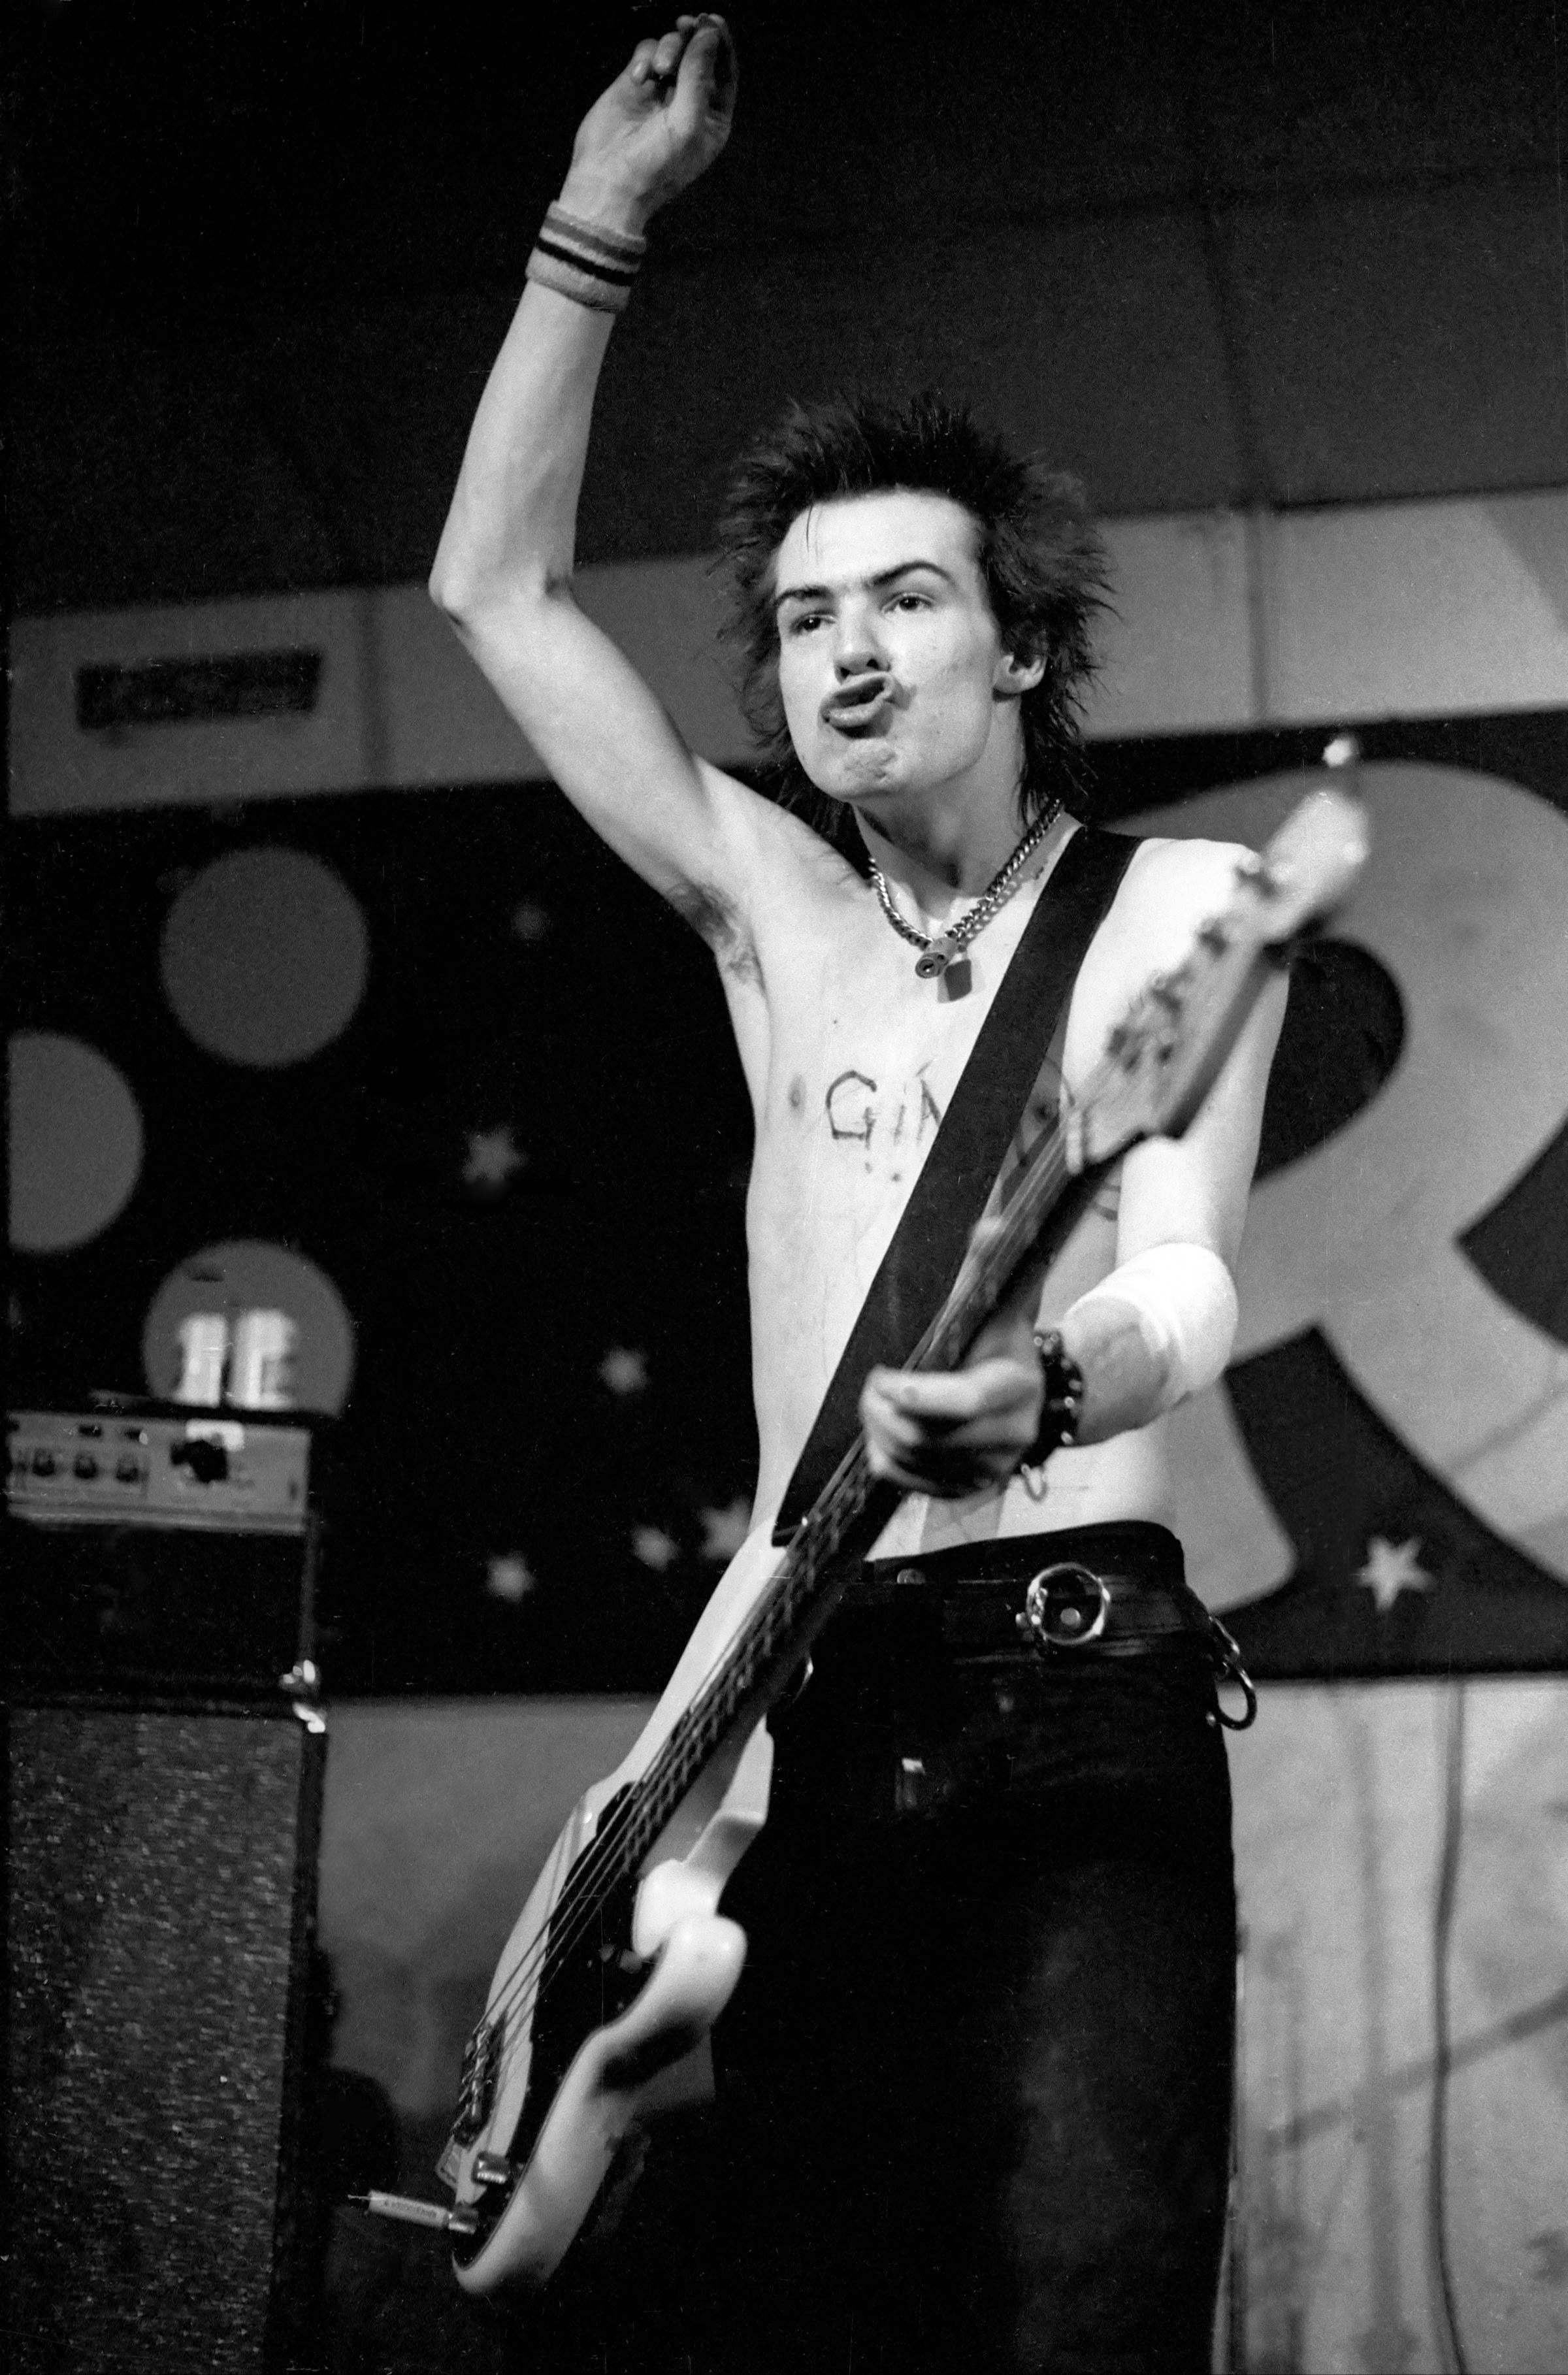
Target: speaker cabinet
x=162 y=1888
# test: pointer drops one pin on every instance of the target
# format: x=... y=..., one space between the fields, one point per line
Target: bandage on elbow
x=1185 y=1301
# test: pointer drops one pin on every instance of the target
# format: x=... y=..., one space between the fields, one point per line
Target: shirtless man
x=1047 y=2188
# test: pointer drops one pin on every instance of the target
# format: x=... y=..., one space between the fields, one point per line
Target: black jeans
x=975 y=2083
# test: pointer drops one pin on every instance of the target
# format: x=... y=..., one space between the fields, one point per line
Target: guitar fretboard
x=1158 y=1063
x=1041 y=1203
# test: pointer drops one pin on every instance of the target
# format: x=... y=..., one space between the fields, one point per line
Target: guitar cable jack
x=412 y=2211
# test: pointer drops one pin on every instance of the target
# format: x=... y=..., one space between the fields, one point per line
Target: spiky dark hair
x=1043 y=564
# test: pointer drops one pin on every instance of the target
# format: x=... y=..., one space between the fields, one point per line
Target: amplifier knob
x=85 y=1465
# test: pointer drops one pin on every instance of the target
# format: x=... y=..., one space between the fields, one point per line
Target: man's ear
x=1018 y=672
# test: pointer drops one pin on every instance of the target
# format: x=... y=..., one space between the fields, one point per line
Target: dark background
x=1249 y=253
x=477 y=1425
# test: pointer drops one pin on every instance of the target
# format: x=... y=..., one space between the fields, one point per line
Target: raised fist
x=661 y=123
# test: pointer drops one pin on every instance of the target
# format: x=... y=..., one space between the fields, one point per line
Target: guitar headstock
x=1162 y=1057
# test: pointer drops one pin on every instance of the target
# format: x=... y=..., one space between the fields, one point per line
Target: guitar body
x=556 y=2090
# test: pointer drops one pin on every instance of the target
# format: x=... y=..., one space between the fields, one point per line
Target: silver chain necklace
x=936 y=954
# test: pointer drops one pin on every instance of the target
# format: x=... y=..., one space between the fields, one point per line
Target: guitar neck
x=1042 y=1206
x=846 y=1518
x=1159 y=1064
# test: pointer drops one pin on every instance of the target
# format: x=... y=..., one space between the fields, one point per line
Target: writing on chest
x=872 y=1114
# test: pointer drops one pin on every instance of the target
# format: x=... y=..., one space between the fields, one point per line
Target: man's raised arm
x=504 y=570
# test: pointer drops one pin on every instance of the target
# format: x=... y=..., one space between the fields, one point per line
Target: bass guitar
x=620 y=1961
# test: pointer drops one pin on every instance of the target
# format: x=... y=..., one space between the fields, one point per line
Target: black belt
x=1115 y=1591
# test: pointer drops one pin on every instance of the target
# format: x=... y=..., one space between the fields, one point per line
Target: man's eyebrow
x=873 y=584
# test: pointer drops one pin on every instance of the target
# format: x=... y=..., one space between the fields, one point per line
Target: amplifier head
x=153 y=1556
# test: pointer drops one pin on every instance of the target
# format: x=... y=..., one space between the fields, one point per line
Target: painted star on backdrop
x=493 y=1156
x=508 y=1577
x=724 y=1529
x=654 y=1547
x=1391 y=1568
x=624 y=1371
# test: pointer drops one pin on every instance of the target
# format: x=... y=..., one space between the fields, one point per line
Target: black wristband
x=1063 y=1406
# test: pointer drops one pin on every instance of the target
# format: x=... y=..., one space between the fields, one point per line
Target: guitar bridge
x=475 y=2084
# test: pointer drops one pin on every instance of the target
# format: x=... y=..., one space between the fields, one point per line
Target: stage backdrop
x=439 y=1078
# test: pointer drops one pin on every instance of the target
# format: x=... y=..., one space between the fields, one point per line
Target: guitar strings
x=608 y=1859
x=612 y=1853
x=637 y=1821
x=609 y=1856
x=635 y=1824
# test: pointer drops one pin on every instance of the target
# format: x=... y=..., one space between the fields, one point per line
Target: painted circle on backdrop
x=76 y=1141
x=265 y=956
x=249 y=1274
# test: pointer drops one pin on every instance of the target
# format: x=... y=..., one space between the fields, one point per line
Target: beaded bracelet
x=1063 y=1406
x=587 y=262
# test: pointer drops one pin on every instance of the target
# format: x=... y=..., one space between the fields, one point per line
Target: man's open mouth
x=860 y=711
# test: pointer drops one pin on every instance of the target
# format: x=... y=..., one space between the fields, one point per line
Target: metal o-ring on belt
x=1122 y=1599
x=1065 y=1606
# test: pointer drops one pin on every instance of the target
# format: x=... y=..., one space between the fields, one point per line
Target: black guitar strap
x=969 y=1147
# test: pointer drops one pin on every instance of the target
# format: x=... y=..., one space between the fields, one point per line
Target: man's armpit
x=716 y=919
